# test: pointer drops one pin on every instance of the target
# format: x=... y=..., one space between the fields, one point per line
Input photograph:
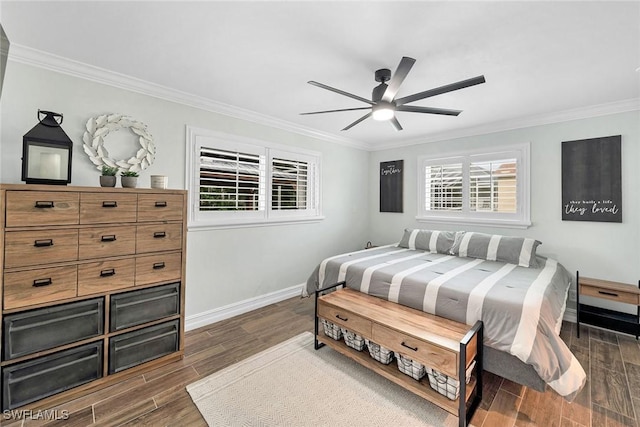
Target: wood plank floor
x=159 y=398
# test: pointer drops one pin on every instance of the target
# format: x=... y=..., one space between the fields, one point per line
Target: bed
x=464 y=276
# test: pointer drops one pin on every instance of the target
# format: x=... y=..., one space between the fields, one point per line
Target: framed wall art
x=592 y=179
x=391 y=174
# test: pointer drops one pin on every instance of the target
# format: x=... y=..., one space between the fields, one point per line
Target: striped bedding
x=521 y=308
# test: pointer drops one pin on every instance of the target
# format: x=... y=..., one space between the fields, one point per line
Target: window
x=235 y=181
x=476 y=187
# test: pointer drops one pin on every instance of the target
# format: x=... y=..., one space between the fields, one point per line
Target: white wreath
x=97 y=130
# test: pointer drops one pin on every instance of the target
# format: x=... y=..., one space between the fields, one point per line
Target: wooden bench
x=444 y=345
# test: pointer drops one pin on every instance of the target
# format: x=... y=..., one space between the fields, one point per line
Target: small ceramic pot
x=107 y=181
x=129 y=181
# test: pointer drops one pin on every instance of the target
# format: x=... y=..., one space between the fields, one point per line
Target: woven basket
x=331 y=330
x=381 y=354
x=353 y=340
x=446 y=385
x=410 y=367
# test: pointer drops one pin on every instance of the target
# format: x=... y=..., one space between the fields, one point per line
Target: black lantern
x=46 y=152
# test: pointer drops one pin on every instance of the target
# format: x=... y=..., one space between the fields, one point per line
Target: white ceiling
x=540 y=59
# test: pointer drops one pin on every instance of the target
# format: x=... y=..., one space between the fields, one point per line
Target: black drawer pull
x=161 y=204
x=44 y=205
x=408 y=346
x=110 y=204
x=42 y=282
x=43 y=243
x=109 y=238
x=612 y=294
x=159 y=234
x=344 y=319
x=108 y=272
x=158 y=265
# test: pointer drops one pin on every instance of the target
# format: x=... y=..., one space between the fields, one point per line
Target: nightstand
x=606 y=318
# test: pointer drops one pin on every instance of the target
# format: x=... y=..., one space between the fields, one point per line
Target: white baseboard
x=217 y=314
x=570 y=315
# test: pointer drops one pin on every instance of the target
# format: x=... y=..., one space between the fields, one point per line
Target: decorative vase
x=129 y=181
x=107 y=181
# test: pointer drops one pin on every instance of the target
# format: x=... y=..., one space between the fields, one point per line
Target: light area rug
x=291 y=384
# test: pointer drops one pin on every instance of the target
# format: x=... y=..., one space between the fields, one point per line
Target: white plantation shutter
x=493 y=186
x=444 y=187
x=479 y=187
x=236 y=181
x=289 y=184
x=231 y=181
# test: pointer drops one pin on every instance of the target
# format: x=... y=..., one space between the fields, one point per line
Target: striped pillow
x=433 y=241
x=514 y=250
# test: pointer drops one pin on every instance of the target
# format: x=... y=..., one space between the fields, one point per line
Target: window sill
x=502 y=223
x=205 y=226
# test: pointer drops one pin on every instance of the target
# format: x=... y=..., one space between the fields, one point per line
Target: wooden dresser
x=92 y=287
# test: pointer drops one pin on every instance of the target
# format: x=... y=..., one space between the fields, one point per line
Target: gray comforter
x=521 y=308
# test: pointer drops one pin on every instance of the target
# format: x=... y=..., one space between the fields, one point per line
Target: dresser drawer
x=158 y=268
x=23 y=248
x=346 y=319
x=29 y=208
x=105 y=276
x=35 y=379
x=103 y=208
x=30 y=331
x=160 y=207
x=428 y=354
x=134 y=348
x=100 y=242
x=158 y=237
x=610 y=294
x=145 y=305
x=25 y=288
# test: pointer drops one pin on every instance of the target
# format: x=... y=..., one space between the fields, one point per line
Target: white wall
x=228 y=266
x=223 y=266
x=597 y=249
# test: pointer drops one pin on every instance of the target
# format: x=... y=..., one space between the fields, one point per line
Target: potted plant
x=108 y=177
x=129 y=179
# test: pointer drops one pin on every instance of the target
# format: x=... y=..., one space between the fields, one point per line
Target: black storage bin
x=137 y=347
x=45 y=328
x=138 y=307
x=35 y=379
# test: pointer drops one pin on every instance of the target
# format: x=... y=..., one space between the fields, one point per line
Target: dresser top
x=84 y=189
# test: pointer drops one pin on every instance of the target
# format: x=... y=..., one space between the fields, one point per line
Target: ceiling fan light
x=383 y=113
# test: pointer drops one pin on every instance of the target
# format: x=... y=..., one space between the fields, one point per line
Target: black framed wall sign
x=592 y=179
x=391 y=174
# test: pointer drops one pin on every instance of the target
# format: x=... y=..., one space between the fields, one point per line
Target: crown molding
x=616 y=107
x=59 y=64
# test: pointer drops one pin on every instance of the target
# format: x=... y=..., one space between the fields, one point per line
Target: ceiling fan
x=383 y=103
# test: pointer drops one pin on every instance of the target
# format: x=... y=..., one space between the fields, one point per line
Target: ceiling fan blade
x=429 y=110
x=396 y=124
x=440 y=90
x=398 y=77
x=335 y=111
x=366 y=116
x=341 y=92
